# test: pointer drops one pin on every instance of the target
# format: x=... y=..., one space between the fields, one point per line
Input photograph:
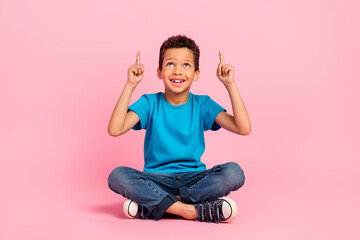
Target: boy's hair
x=180 y=41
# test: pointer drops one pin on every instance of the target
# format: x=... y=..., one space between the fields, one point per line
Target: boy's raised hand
x=225 y=72
x=136 y=71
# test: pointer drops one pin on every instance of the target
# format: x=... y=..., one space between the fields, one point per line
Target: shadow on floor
x=113 y=209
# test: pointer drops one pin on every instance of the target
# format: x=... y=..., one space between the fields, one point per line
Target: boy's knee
x=235 y=175
x=117 y=177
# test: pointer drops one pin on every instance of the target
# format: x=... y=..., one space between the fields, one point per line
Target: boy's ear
x=197 y=75
x=159 y=73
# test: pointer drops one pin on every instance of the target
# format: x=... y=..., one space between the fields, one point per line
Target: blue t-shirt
x=174 y=139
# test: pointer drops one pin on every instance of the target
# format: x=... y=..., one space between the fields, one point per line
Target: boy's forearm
x=118 y=116
x=241 y=117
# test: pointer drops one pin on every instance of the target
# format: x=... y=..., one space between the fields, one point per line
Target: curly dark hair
x=180 y=41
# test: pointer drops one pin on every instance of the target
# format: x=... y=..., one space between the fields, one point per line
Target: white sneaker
x=133 y=210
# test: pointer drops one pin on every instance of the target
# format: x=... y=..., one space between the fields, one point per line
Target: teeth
x=177 y=81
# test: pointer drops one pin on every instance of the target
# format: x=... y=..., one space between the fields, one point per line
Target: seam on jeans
x=145 y=180
x=199 y=176
x=198 y=182
x=156 y=190
x=172 y=198
x=157 y=178
x=164 y=204
x=211 y=170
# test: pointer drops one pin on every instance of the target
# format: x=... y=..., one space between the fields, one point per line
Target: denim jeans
x=156 y=191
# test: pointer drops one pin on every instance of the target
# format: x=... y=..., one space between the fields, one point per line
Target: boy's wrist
x=230 y=86
x=130 y=85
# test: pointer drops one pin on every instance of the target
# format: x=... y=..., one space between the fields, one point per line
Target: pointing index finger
x=138 y=57
x=221 y=57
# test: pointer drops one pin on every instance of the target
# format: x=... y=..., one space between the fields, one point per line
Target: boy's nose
x=177 y=71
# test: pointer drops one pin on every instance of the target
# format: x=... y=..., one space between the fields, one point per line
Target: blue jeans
x=156 y=191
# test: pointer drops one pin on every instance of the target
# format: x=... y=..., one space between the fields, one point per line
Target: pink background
x=62 y=68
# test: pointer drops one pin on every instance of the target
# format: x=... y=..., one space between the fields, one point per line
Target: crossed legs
x=157 y=192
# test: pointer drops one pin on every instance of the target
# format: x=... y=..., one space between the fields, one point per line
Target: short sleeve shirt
x=174 y=139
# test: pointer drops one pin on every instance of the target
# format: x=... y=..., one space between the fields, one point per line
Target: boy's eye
x=169 y=64
x=186 y=65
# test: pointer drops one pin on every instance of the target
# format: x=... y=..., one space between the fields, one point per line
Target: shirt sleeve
x=142 y=108
x=209 y=112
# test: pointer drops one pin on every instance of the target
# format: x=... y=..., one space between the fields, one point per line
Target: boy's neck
x=176 y=99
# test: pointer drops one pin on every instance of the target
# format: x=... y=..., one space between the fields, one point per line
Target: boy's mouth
x=177 y=81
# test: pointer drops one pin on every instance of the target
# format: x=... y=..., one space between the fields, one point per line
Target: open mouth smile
x=177 y=80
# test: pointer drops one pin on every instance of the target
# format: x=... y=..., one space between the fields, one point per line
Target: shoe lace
x=210 y=211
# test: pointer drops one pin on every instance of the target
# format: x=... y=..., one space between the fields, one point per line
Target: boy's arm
x=121 y=120
x=240 y=122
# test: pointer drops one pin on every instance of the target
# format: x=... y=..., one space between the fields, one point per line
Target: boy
x=174 y=180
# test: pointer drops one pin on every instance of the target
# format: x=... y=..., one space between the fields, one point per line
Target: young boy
x=174 y=180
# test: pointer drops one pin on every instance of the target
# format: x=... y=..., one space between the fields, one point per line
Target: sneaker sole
x=233 y=209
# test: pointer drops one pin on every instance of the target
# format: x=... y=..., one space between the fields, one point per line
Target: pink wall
x=62 y=68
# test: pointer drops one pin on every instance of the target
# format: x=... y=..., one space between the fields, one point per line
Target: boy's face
x=178 y=70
